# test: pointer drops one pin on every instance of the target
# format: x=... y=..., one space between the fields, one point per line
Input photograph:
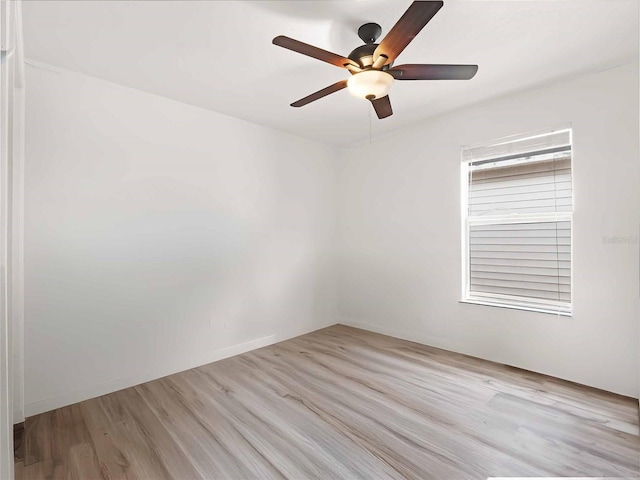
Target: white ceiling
x=218 y=54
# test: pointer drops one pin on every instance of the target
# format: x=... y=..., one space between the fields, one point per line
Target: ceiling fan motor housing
x=363 y=56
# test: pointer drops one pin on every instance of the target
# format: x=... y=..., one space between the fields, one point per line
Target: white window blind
x=518 y=222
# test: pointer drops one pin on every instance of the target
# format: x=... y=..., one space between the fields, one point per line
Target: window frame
x=511 y=301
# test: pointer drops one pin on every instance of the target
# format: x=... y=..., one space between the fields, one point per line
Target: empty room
x=355 y=239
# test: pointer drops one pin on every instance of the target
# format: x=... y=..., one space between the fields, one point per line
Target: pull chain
x=369 y=125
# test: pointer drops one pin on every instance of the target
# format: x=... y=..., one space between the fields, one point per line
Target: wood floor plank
x=34 y=471
x=303 y=439
x=615 y=411
x=339 y=403
x=334 y=453
x=148 y=446
x=205 y=447
x=216 y=419
x=113 y=463
x=37 y=444
x=404 y=429
x=447 y=413
x=51 y=437
x=82 y=462
x=574 y=437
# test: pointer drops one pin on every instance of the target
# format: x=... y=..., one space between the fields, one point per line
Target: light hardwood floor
x=339 y=403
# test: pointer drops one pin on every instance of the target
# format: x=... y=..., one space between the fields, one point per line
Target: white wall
x=160 y=236
x=400 y=235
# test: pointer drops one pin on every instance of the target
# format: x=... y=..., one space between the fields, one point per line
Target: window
x=517 y=219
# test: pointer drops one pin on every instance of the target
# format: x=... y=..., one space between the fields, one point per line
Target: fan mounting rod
x=369 y=32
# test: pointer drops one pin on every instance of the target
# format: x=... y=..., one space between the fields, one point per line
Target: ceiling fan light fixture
x=372 y=64
x=370 y=84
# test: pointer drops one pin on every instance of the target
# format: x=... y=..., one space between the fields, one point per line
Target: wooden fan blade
x=320 y=93
x=313 y=52
x=418 y=71
x=382 y=106
x=414 y=19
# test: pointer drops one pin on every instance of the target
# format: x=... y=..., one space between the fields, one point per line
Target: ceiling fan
x=371 y=64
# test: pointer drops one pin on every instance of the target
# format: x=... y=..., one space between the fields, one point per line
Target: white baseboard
x=69 y=398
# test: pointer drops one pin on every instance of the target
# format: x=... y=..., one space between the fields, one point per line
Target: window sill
x=517 y=307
